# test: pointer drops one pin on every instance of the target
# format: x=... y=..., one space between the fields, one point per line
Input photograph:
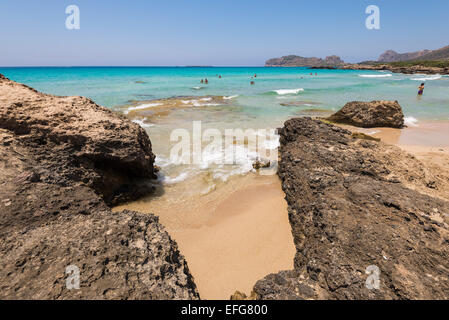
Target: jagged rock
x=370 y=114
x=102 y=150
x=58 y=163
x=355 y=205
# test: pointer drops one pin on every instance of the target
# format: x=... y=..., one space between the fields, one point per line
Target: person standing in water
x=421 y=89
x=206 y=81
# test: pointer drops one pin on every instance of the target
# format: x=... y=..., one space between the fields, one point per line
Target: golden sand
x=232 y=236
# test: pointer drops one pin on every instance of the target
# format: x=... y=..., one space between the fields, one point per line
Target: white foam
x=197 y=88
x=230 y=97
x=427 y=78
x=375 y=75
x=288 y=91
x=411 y=121
x=142 y=123
x=200 y=102
x=181 y=177
x=143 y=106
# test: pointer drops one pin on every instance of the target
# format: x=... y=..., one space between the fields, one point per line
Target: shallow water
x=278 y=94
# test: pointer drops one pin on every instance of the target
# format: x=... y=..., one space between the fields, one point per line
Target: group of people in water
x=205 y=81
x=252 y=82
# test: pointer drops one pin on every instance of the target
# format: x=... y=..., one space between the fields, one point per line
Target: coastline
x=233 y=235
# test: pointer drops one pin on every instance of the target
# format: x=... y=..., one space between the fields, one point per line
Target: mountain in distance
x=297 y=61
x=423 y=55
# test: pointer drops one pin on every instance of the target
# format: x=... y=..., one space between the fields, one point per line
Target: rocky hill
x=63 y=160
x=423 y=55
x=297 y=61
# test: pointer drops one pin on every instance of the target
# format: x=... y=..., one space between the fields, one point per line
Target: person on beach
x=421 y=89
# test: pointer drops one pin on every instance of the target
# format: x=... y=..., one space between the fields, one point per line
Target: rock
x=241 y=296
x=297 y=61
x=259 y=164
x=370 y=114
x=102 y=150
x=60 y=159
x=347 y=219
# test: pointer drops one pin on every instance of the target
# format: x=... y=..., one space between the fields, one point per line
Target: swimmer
x=421 y=89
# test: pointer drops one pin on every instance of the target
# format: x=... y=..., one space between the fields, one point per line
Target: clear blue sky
x=213 y=32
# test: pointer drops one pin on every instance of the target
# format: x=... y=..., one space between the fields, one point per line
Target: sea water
x=276 y=95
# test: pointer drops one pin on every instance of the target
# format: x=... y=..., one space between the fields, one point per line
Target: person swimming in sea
x=202 y=81
x=206 y=81
x=421 y=89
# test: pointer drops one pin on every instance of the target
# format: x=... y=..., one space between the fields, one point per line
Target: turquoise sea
x=115 y=86
x=277 y=94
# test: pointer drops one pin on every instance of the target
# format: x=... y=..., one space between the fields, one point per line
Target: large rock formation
x=393 y=56
x=355 y=206
x=297 y=61
x=61 y=160
x=423 y=55
x=103 y=150
x=370 y=114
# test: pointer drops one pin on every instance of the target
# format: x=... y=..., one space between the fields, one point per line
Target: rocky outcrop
x=423 y=55
x=62 y=160
x=297 y=61
x=357 y=207
x=370 y=114
x=393 y=56
x=103 y=150
x=407 y=69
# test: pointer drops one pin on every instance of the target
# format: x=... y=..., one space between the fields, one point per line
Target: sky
x=212 y=32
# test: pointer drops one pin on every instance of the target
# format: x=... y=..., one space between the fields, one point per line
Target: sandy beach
x=232 y=236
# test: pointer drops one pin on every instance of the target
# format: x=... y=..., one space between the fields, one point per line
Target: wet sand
x=232 y=236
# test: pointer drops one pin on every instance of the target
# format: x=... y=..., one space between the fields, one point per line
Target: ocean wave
x=142 y=123
x=287 y=91
x=411 y=121
x=197 y=88
x=143 y=106
x=230 y=97
x=427 y=78
x=375 y=75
